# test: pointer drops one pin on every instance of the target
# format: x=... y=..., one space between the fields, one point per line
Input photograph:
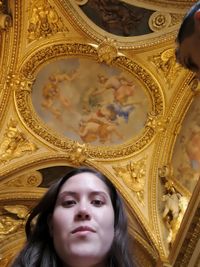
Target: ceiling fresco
x=96 y=83
x=108 y=106
x=186 y=158
x=118 y=18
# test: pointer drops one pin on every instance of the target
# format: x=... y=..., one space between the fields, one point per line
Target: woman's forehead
x=84 y=181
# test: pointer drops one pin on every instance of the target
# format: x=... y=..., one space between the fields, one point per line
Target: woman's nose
x=83 y=212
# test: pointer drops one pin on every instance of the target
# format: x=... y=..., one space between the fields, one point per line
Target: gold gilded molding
x=57 y=50
x=81 y=2
x=133 y=175
x=190 y=241
x=14 y=144
x=23 y=100
x=44 y=21
x=96 y=34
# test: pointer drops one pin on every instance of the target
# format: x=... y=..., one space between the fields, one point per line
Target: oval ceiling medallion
x=75 y=98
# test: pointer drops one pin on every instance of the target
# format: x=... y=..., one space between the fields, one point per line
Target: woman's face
x=82 y=224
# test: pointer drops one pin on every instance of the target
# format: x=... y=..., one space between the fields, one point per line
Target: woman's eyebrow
x=67 y=193
x=99 y=193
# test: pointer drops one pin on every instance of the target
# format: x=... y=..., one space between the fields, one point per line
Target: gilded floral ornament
x=14 y=143
x=133 y=174
x=159 y=21
x=44 y=21
x=158 y=123
x=78 y=154
x=107 y=51
x=20 y=82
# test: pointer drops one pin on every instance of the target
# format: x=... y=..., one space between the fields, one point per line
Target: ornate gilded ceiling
x=81 y=85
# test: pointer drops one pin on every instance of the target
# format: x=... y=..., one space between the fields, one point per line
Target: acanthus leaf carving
x=133 y=174
x=15 y=143
x=44 y=21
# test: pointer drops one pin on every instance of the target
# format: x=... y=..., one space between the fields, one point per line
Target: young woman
x=80 y=222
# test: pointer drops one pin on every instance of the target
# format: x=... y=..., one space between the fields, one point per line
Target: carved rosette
x=23 y=100
x=159 y=21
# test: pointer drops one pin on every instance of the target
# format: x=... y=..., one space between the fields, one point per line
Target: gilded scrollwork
x=12 y=219
x=107 y=50
x=5 y=19
x=194 y=85
x=32 y=179
x=166 y=64
x=15 y=143
x=44 y=21
x=133 y=174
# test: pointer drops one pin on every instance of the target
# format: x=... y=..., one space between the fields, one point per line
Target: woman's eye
x=97 y=202
x=68 y=203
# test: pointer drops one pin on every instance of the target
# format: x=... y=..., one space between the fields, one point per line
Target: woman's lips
x=83 y=229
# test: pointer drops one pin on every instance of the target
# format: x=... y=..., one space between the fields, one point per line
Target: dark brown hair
x=39 y=250
x=187 y=26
